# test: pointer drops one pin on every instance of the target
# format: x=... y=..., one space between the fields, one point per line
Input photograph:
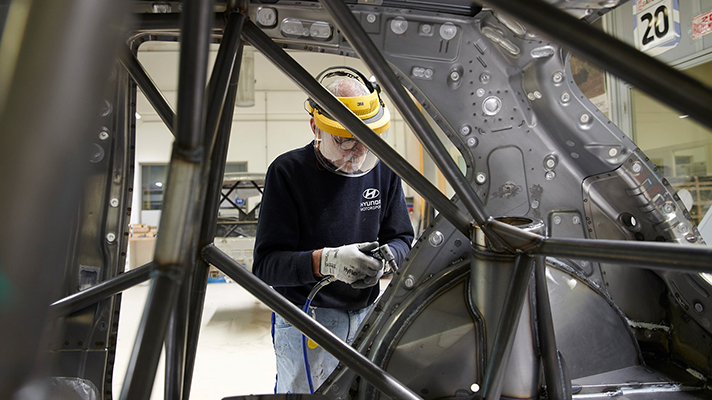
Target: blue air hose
x=319 y=285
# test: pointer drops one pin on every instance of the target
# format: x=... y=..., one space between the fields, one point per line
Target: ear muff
x=370 y=108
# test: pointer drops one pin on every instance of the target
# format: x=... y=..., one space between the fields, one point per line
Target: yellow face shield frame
x=369 y=108
x=371 y=111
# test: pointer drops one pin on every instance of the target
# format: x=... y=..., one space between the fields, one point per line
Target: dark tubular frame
x=507 y=327
x=101 y=291
x=148 y=87
x=198 y=161
x=173 y=256
x=217 y=137
x=557 y=384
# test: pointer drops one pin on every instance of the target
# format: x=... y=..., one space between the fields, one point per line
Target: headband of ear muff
x=370 y=108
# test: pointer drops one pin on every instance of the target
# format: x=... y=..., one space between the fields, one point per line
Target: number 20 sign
x=657 y=25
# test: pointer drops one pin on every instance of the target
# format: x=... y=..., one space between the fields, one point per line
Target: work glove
x=352 y=264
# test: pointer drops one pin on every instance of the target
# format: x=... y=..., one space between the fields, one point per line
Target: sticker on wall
x=657 y=25
x=702 y=25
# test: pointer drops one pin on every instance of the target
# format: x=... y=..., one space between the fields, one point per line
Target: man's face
x=346 y=154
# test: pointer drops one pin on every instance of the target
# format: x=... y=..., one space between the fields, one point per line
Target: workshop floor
x=235 y=355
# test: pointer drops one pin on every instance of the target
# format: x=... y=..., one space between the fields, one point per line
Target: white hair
x=347 y=87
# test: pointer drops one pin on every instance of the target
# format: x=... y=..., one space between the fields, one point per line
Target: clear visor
x=344 y=156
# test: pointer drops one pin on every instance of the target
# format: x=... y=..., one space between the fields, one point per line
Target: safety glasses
x=345 y=144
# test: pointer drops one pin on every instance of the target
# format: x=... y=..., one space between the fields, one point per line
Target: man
x=325 y=207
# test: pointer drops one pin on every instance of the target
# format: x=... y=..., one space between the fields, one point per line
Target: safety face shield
x=336 y=148
x=344 y=156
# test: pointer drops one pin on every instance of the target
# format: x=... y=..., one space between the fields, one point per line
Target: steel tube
x=322 y=336
x=380 y=148
x=175 y=345
x=148 y=87
x=146 y=352
x=658 y=80
x=180 y=213
x=367 y=51
x=99 y=292
x=194 y=50
x=652 y=255
x=220 y=78
x=507 y=327
x=177 y=340
x=214 y=178
x=557 y=386
x=168 y=22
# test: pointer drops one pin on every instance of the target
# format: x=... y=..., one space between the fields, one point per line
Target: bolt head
x=550 y=175
x=472 y=142
x=550 y=163
x=399 y=25
x=448 y=31
x=565 y=97
x=558 y=77
x=485 y=77
x=637 y=167
x=110 y=237
x=584 y=118
x=465 y=130
x=103 y=135
x=612 y=152
x=371 y=18
x=409 y=282
x=491 y=105
x=576 y=220
x=481 y=178
x=557 y=220
x=436 y=239
x=114 y=202
x=455 y=76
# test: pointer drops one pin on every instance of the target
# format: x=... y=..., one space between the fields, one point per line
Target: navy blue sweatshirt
x=306 y=208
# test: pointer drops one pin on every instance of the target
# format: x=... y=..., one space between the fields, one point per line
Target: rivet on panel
x=436 y=239
x=409 y=282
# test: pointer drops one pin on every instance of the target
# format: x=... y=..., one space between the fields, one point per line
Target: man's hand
x=352 y=264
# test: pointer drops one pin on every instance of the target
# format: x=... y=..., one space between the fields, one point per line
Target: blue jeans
x=291 y=372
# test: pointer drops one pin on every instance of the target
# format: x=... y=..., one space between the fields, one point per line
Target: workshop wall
x=275 y=124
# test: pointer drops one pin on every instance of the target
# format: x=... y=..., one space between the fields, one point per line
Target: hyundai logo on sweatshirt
x=370 y=194
x=371 y=202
